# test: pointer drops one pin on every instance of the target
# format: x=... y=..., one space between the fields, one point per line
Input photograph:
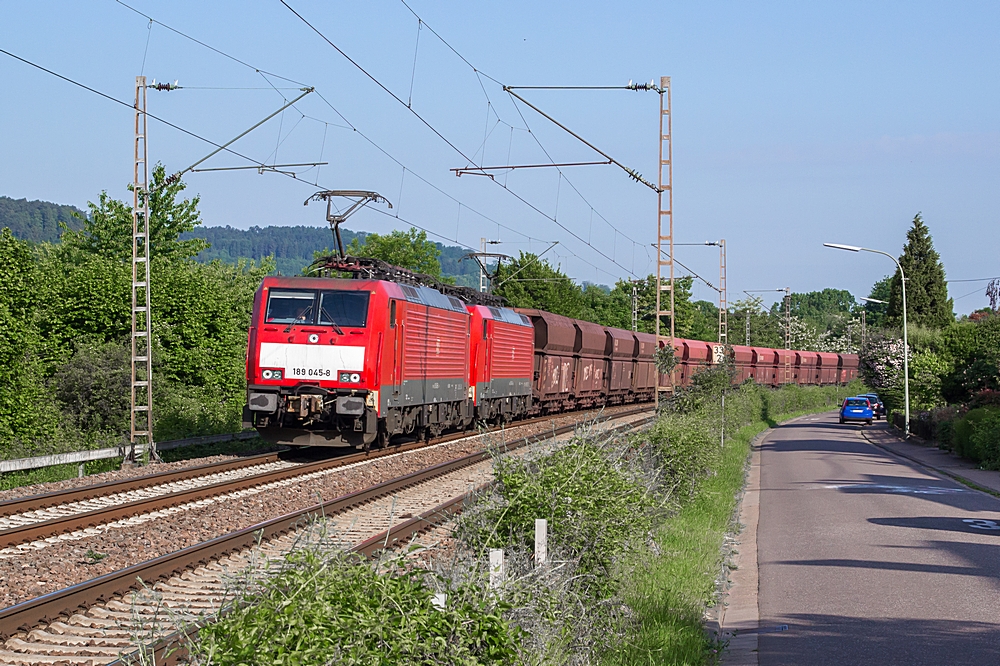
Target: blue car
x=856 y=409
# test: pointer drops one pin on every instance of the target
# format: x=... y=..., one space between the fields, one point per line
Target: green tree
x=927 y=298
x=531 y=282
x=876 y=313
x=406 y=249
x=25 y=413
x=108 y=230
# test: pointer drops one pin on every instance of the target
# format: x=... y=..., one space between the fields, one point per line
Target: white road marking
x=911 y=490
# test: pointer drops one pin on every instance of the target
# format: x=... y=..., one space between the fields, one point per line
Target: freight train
x=354 y=362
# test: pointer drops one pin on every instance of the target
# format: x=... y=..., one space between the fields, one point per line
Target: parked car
x=857 y=408
x=878 y=408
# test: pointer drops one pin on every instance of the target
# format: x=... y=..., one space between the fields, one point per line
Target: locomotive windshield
x=323 y=308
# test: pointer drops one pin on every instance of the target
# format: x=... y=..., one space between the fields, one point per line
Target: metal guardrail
x=37 y=462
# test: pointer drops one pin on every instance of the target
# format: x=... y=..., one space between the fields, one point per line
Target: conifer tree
x=927 y=301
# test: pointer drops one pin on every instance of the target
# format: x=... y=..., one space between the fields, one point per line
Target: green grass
x=669 y=591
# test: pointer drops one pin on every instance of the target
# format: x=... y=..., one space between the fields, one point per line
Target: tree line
x=65 y=318
x=65 y=325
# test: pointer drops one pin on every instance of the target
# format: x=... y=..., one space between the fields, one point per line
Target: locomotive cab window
x=327 y=308
x=392 y=314
x=290 y=307
x=343 y=308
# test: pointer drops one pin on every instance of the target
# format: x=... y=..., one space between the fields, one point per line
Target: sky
x=794 y=124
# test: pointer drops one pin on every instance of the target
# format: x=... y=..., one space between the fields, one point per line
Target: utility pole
x=756 y=300
x=635 y=307
x=635 y=303
x=788 y=334
x=863 y=328
x=141 y=444
x=483 y=282
x=665 y=232
x=723 y=303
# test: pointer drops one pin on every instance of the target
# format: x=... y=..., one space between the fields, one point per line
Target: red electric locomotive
x=348 y=362
x=502 y=345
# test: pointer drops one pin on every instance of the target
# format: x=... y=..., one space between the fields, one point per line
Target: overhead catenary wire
x=527 y=128
x=132 y=107
x=240 y=155
x=207 y=46
x=265 y=73
x=690 y=270
x=976 y=279
x=445 y=139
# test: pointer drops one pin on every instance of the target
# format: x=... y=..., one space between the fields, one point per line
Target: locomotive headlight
x=271 y=374
x=266 y=374
x=276 y=374
x=345 y=376
x=350 y=377
x=355 y=377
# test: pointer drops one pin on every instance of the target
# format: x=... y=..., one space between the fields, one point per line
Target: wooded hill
x=292 y=247
x=38 y=221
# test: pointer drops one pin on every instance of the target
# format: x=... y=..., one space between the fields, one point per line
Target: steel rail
x=47 y=608
x=45 y=500
x=172 y=649
x=78 y=521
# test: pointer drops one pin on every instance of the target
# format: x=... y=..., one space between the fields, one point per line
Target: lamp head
x=838 y=246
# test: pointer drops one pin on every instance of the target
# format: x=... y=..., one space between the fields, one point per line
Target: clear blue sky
x=794 y=123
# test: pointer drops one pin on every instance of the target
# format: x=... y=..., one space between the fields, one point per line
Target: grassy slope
x=668 y=592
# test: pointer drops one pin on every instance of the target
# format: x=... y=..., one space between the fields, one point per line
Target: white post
x=541 y=541
x=496 y=568
x=80 y=472
x=722 y=444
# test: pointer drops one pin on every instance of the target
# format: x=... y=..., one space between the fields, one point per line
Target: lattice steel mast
x=665 y=231
x=788 y=334
x=141 y=444
x=723 y=299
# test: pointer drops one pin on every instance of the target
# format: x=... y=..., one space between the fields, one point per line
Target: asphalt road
x=867 y=559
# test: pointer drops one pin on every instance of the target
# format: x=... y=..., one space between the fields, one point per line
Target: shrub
x=93 y=386
x=963 y=429
x=985 y=439
x=589 y=491
x=325 y=609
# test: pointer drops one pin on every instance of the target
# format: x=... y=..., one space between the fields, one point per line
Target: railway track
x=29 y=523
x=109 y=615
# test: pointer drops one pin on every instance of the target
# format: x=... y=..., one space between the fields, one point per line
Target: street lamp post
x=906 y=344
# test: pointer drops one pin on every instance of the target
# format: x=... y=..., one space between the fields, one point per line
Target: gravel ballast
x=64 y=562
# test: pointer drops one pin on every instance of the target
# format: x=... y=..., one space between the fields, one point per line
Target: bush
x=590 y=492
x=93 y=386
x=332 y=608
x=963 y=429
x=191 y=411
x=985 y=439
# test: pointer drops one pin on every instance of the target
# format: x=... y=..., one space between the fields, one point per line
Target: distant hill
x=293 y=248
x=37 y=221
